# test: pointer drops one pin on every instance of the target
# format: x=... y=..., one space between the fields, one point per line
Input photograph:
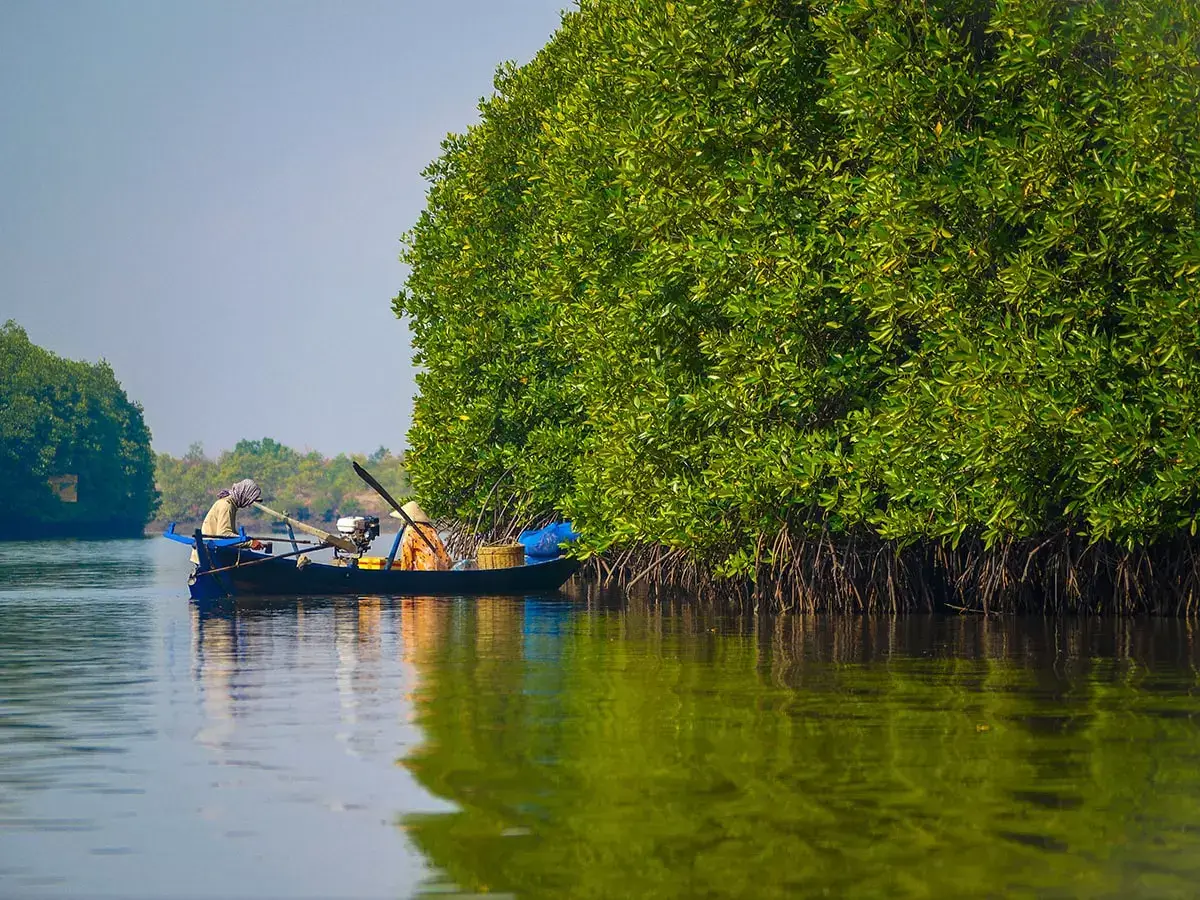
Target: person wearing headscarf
x=221 y=520
x=415 y=552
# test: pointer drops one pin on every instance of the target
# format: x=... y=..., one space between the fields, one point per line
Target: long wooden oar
x=279 y=539
x=370 y=479
x=335 y=540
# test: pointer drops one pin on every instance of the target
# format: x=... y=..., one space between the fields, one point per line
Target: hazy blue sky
x=211 y=195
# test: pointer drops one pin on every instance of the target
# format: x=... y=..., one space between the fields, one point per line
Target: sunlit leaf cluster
x=706 y=272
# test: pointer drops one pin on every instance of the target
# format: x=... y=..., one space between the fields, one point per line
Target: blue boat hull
x=283 y=577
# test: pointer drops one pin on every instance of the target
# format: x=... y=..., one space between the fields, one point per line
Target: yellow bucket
x=372 y=562
x=501 y=556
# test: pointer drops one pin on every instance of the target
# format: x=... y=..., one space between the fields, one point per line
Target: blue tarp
x=543 y=544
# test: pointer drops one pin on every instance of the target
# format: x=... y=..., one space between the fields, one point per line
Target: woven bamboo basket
x=501 y=556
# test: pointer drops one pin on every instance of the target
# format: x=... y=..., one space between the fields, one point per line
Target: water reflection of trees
x=653 y=751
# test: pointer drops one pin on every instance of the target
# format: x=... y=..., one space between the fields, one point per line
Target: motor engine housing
x=359 y=529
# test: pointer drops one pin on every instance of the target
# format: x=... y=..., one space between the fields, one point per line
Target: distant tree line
x=308 y=486
x=904 y=289
x=75 y=455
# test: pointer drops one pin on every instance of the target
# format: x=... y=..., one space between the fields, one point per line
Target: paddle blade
x=375 y=485
x=378 y=488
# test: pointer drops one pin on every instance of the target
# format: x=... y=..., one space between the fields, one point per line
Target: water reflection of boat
x=214 y=665
x=233 y=646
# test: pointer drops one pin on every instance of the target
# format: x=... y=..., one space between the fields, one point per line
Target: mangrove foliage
x=75 y=456
x=888 y=301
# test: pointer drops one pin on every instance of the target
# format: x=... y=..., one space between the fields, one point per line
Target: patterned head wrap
x=244 y=493
x=223 y=493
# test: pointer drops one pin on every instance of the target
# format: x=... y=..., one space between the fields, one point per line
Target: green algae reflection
x=661 y=753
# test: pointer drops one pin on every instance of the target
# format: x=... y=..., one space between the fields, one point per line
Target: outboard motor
x=359 y=529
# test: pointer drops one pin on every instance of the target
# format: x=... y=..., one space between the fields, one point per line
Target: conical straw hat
x=414 y=512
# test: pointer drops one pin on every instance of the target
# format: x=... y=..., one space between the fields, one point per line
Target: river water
x=575 y=746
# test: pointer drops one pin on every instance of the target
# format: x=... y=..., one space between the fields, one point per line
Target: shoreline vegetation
x=307 y=486
x=75 y=457
x=849 y=306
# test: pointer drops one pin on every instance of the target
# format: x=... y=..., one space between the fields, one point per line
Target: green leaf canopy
x=59 y=417
x=706 y=272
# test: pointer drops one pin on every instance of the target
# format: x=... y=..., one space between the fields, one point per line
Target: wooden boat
x=228 y=569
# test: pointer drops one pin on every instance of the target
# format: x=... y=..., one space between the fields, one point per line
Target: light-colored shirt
x=415 y=553
x=221 y=521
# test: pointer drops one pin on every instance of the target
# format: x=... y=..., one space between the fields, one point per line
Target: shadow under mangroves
x=627 y=750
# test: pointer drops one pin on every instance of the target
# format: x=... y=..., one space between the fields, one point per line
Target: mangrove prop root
x=1060 y=573
x=800 y=571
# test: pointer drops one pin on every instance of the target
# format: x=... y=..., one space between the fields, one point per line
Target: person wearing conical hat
x=415 y=552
